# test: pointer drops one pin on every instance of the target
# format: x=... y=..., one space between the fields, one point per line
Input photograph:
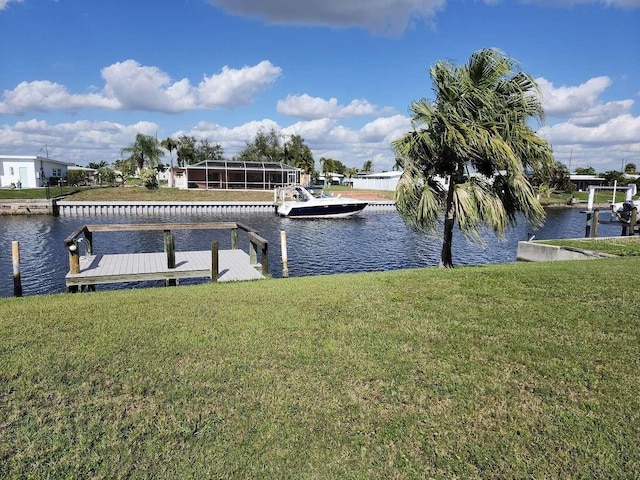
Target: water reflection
x=370 y=242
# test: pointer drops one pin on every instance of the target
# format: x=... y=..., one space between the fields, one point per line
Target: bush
x=149 y=179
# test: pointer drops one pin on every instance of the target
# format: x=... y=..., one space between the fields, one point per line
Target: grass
x=621 y=246
x=602 y=197
x=499 y=371
x=160 y=195
x=35 y=193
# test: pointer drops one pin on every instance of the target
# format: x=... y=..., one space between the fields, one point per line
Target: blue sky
x=83 y=77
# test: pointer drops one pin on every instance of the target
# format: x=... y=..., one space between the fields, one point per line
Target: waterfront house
x=237 y=175
x=29 y=171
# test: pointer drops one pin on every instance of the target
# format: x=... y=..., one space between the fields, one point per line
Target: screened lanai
x=231 y=174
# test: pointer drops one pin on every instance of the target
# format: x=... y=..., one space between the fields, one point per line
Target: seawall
x=67 y=208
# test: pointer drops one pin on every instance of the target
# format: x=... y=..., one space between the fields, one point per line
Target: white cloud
x=5 y=3
x=232 y=87
x=308 y=108
x=43 y=95
x=564 y=101
x=131 y=86
x=381 y=16
x=81 y=142
x=619 y=130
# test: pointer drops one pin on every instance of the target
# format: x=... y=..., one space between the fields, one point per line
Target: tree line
x=147 y=153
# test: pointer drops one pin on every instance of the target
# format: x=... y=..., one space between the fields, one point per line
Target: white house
x=30 y=171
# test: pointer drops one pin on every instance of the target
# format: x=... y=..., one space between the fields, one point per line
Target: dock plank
x=114 y=268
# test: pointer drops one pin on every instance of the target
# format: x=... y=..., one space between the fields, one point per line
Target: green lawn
x=621 y=246
x=35 y=193
x=502 y=371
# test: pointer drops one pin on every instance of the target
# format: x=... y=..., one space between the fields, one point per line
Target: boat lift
x=631 y=189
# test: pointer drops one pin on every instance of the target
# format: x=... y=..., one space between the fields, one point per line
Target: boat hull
x=337 y=210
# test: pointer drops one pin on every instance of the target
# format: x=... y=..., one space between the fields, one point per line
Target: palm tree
x=476 y=135
x=171 y=145
x=145 y=150
x=367 y=166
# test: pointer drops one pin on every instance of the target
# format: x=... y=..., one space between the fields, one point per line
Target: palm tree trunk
x=446 y=258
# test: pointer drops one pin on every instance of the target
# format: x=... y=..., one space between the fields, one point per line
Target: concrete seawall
x=28 y=207
x=65 y=208
x=538 y=252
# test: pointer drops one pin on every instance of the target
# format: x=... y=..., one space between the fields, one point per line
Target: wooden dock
x=170 y=265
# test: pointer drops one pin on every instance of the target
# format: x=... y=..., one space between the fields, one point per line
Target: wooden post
x=214 y=262
x=88 y=243
x=74 y=258
x=596 y=219
x=265 y=260
x=234 y=238
x=253 y=252
x=587 y=231
x=633 y=218
x=283 y=247
x=15 y=255
x=170 y=248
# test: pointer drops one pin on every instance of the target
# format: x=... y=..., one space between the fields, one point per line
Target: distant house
x=377 y=181
x=583 y=182
x=31 y=171
x=233 y=174
x=331 y=179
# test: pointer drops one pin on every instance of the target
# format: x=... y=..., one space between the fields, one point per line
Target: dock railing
x=84 y=236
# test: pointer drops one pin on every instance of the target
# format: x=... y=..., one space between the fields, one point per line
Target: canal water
x=372 y=241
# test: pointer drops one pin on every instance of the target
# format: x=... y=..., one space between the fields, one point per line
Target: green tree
x=208 y=151
x=367 y=166
x=98 y=165
x=298 y=154
x=265 y=147
x=126 y=167
x=476 y=134
x=585 y=171
x=630 y=168
x=149 y=178
x=556 y=178
x=186 y=150
x=614 y=176
x=170 y=145
x=77 y=177
x=145 y=151
x=351 y=172
x=107 y=175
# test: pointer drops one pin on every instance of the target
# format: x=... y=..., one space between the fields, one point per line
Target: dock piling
x=283 y=247
x=214 y=262
x=17 y=282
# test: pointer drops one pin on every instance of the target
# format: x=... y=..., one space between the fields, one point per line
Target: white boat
x=303 y=204
x=621 y=211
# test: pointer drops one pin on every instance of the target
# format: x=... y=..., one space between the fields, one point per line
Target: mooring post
x=214 y=262
x=17 y=282
x=170 y=248
x=88 y=243
x=587 y=231
x=234 y=238
x=596 y=219
x=74 y=257
x=283 y=245
x=633 y=218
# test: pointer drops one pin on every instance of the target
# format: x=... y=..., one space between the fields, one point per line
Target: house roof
x=242 y=165
x=33 y=158
x=392 y=174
